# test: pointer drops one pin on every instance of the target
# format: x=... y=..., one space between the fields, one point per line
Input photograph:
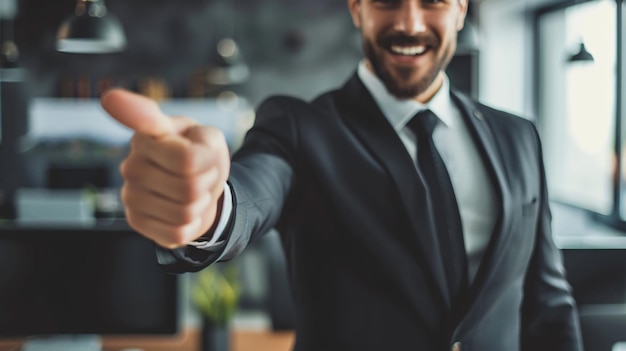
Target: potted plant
x=216 y=295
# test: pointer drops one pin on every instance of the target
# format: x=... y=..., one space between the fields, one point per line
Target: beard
x=400 y=84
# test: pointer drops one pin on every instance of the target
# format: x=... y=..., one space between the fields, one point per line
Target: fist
x=175 y=171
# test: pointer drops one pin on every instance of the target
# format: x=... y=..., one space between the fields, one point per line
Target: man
x=363 y=204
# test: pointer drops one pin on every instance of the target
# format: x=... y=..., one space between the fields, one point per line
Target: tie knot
x=423 y=123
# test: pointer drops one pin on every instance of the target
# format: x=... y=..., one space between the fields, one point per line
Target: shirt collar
x=400 y=111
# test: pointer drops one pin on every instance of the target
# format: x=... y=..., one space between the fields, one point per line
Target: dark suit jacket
x=335 y=180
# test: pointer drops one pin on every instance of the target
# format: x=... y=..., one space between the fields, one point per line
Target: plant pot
x=214 y=337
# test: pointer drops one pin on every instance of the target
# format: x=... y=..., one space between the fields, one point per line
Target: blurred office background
x=559 y=63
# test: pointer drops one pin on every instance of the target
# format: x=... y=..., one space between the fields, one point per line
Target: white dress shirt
x=474 y=193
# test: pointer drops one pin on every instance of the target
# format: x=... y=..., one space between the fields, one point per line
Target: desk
x=262 y=341
x=242 y=340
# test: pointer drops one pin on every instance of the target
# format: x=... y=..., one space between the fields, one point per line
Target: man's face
x=409 y=43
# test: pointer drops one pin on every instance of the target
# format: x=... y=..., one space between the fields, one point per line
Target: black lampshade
x=91 y=30
x=581 y=56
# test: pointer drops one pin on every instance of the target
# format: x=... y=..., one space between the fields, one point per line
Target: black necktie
x=443 y=201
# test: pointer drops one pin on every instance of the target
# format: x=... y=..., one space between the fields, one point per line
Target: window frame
x=617 y=216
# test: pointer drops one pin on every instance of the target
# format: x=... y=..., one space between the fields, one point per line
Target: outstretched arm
x=175 y=172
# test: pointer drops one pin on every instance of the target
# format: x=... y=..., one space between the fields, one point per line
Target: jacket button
x=456 y=346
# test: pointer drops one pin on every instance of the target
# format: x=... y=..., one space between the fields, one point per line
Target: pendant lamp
x=91 y=30
x=582 y=55
x=228 y=65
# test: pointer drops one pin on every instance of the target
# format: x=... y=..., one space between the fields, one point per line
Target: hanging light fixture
x=228 y=66
x=91 y=30
x=582 y=55
x=9 y=53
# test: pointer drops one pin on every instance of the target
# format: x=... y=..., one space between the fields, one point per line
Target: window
x=578 y=107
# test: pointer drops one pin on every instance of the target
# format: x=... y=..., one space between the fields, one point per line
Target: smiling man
x=412 y=217
x=409 y=44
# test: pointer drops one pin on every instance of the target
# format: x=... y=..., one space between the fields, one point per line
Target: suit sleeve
x=261 y=177
x=549 y=314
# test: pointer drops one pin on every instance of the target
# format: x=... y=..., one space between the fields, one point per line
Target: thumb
x=137 y=112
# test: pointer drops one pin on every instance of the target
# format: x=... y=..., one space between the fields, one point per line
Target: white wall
x=505 y=67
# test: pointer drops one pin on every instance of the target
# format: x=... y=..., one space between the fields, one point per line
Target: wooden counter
x=241 y=340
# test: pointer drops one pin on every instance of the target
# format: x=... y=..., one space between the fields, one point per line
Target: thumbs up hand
x=174 y=174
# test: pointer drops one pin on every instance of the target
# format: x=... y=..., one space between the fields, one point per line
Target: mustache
x=407 y=40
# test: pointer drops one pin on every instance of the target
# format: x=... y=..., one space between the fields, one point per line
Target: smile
x=408 y=50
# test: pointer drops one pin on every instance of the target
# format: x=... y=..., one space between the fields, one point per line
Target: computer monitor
x=83 y=281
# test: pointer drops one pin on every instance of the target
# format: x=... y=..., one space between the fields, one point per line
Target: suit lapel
x=362 y=115
x=360 y=112
x=487 y=145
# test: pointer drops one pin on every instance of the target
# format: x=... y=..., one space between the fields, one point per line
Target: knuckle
x=133 y=221
x=125 y=170
x=224 y=168
x=130 y=197
x=122 y=168
x=187 y=161
x=215 y=135
x=219 y=145
x=177 y=238
x=129 y=169
x=186 y=214
x=190 y=191
x=209 y=198
x=194 y=209
x=126 y=167
x=214 y=139
x=124 y=196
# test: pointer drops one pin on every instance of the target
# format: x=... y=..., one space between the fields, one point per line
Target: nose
x=410 y=18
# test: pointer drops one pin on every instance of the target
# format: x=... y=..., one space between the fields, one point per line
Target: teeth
x=408 y=50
